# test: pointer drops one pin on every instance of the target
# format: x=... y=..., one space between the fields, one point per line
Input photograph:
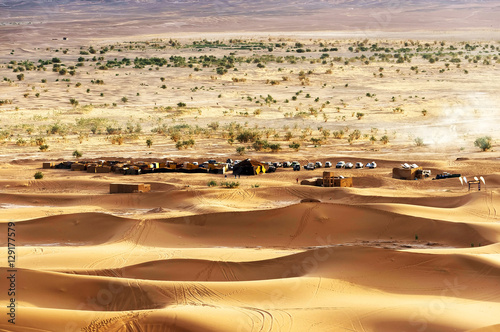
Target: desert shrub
x=38 y=175
x=338 y=134
x=40 y=141
x=149 y=142
x=356 y=134
x=43 y=147
x=213 y=125
x=229 y=184
x=21 y=142
x=359 y=115
x=275 y=147
x=240 y=150
x=484 y=143
x=295 y=146
x=211 y=183
x=316 y=141
x=248 y=136
x=384 y=139
x=56 y=128
x=111 y=130
x=419 y=141
x=117 y=140
x=77 y=154
x=184 y=144
x=259 y=145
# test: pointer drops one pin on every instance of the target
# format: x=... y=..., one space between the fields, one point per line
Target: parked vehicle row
x=295 y=165
x=340 y=164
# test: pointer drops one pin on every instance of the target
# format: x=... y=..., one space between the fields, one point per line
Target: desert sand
x=271 y=254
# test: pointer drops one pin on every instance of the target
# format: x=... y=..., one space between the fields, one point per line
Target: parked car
x=295 y=163
x=287 y=164
x=212 y=161
x=309 y=167
x=271 y=169
x=359 y=165
x=277 y=164
x=296 y=167
x=348 y=165
x=340 y=164
x=372 y=165
x=318 y=164
x=236 y=162
x=328 y=164
x=229 y=161
x=195 y=163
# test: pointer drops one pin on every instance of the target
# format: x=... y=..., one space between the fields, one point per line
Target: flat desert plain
x=270 y=254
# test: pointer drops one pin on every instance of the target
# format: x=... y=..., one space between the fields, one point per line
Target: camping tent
x=249 y=167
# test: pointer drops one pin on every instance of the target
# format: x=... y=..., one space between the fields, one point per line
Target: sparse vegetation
x=419 y=141
x=77 y=154
x=484 y=143
x=241 y=150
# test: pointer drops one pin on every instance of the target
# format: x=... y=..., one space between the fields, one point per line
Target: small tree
x=38 y=175
x=44 y=147
x=295 y=146
x=73 y=102
x=149 y=142
x=316 y=141
x=484 y=143
x=77 y=154
x=275 y=147
x=240 y=150
x=384 y=139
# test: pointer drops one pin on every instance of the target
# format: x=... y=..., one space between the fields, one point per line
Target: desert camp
x=250 y=166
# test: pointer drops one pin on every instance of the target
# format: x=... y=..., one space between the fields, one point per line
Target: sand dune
x=338 y=265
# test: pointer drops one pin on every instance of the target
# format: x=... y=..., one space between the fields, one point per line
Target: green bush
x=240 y=150
x=484 y=143
x=295 y=146
x=77 y=154
x=38 y=175
x=211 y=183
x=419 y=141
x=231 y=184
